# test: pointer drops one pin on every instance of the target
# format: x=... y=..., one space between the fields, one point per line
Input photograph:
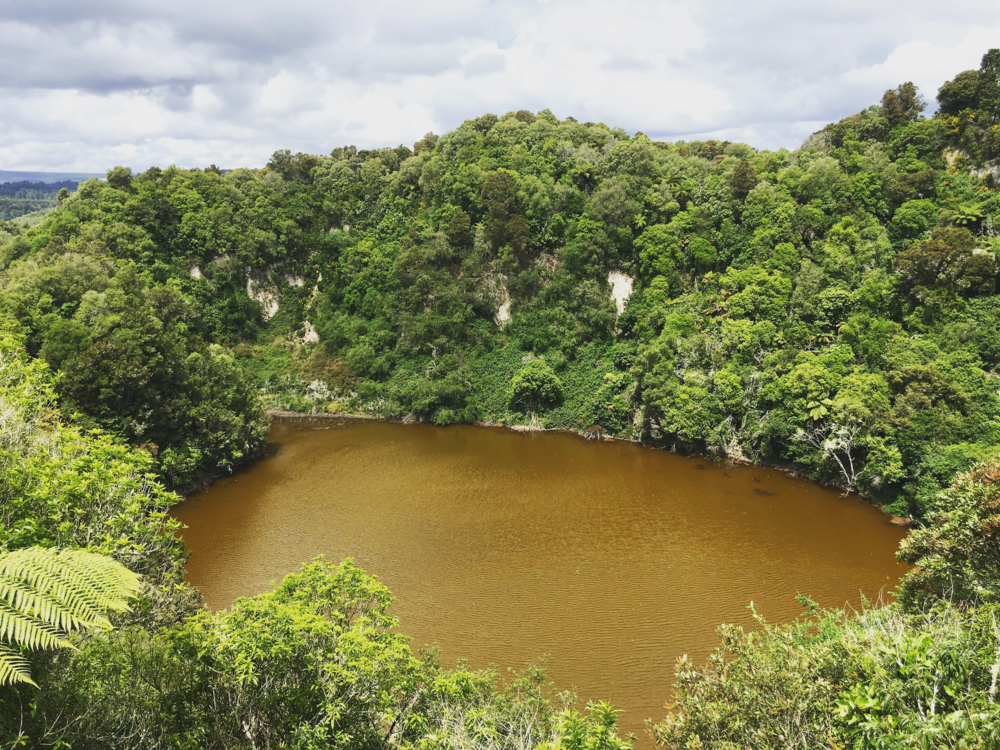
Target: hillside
x=833 y=307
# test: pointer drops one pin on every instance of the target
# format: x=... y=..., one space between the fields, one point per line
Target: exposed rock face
x=310 y=336
x=991 y=168
x=265 y=297
x=503 y=313
x=621 y=289
x=195 y=271
x=495 y=288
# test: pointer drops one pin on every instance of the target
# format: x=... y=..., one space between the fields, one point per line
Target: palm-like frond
x=47 y=593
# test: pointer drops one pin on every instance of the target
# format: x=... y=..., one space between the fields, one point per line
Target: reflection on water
x=612 y=558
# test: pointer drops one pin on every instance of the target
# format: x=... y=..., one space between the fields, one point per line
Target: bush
x=535 y=386
x=957 y=553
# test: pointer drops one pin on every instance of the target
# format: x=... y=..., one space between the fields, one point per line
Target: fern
x=45 y=594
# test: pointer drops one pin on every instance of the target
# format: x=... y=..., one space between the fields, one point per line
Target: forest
x=24 y=197
x=832 y=310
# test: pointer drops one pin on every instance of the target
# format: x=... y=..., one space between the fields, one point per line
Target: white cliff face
x=497 y=284
x=621 y=289
x=195 y=271
x=991 y=168
x=310 y=336
x=503 y=312
x=266 y=299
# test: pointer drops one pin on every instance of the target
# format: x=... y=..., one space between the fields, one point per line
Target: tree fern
x=47 y=593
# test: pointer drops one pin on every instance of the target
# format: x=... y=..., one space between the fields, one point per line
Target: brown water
x=612 y=558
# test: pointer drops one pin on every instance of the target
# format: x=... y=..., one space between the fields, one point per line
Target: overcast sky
x=88 y=84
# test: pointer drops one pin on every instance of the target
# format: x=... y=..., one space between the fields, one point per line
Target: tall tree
x=902 y=104
x=989 y=86
x=959 y=93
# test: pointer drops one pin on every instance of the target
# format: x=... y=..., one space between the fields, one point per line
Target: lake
x=612 y=558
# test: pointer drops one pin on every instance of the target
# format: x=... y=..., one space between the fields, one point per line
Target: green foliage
x=988 y=88
x=770 y=687
x=818 y=410
x=47 y=594
x=14 y=208
x=960 y=93
x=316 y=650
x=533 y=387
x=873 y=680
x=902 y=105
x=131 y=358
x=957 y=553
x=60 y=486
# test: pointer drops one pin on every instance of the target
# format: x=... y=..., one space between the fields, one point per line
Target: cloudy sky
x=92 y=83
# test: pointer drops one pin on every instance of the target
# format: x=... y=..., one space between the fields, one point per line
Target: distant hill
x=19 y=208
x=32 y=198
x=47 y=177
x=25 y=189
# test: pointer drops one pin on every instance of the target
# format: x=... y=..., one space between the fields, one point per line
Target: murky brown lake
x=612 y=558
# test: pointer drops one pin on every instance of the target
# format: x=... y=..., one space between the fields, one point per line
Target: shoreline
x=205 y=481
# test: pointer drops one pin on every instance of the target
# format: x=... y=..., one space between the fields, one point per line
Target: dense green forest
x=833 y=309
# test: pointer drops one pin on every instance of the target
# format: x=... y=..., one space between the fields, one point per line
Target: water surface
x=612 y=558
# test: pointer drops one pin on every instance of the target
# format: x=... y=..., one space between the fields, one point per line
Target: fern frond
x=87 y=583
x=28 y=632
x=47 y=593
x=13 y=667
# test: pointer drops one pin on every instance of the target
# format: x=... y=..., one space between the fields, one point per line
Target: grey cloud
x=194 y=77
x=421 y=24
x=417 y=60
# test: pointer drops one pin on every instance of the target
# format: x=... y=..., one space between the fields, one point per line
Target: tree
x=835 y=442
x=534 y=387
x=948 y=262
x=660 y=255
x=902 y=104
x=320 y=651
x=744 y=179
x=504 y=225
x=612 y=205
x=957 y=553
x=120 y=178
x=989 y=86
x=960 y=93
x=429 y=140
x=47 y=594
x=702 y=253
x=63 y=487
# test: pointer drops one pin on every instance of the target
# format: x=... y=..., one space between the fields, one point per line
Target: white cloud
x=91 y=84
